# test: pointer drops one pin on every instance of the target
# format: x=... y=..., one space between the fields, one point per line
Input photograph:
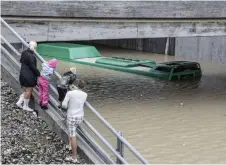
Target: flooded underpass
x=166 y=121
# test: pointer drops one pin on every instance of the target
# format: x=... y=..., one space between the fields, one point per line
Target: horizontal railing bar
x=10 y=46
x=83 y=131
x=104 y=141
x=10 y=56
x=130 y=147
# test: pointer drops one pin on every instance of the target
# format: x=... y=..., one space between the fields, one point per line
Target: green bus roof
x=67 y=51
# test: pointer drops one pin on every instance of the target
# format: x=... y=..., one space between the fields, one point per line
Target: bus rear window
x=186 y=67
x=163 y=69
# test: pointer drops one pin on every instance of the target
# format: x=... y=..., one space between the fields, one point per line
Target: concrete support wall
x=153 y=45
x=116 y=9
x=61 y=30
x=211 y=49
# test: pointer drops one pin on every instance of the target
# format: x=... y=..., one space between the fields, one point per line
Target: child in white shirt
x=74 y=103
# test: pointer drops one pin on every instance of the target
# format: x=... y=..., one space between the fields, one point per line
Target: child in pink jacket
x=43 y=82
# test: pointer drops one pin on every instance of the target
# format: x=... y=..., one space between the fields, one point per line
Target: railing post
x=166 y=49
x=120 y=148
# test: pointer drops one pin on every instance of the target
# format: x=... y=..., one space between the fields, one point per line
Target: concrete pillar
x=209 y=49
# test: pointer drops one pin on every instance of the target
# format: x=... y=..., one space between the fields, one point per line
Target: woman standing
x=28 y=75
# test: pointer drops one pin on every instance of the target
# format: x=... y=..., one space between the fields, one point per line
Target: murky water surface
x=167 y=122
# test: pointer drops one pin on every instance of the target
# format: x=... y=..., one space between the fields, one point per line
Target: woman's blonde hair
x=32 y=45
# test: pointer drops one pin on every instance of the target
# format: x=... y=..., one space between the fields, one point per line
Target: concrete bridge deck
x=95 y=20
x=65 y=29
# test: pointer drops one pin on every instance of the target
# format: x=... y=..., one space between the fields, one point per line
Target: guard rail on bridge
x=106 y=147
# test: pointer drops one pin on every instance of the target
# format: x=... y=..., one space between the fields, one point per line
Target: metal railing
x=35 y=92
x=121 y=140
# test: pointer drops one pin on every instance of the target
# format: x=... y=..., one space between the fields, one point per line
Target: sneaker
x=44 y=107
x=19 y=105
x=26 y=108
x=70 y=159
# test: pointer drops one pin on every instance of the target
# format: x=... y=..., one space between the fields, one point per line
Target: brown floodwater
x=167 y=122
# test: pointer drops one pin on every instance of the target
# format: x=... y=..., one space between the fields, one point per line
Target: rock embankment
x=24 y=137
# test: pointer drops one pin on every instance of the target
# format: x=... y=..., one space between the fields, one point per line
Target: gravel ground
x=25 y=138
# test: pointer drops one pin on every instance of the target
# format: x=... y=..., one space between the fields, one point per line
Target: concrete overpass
x=58 y=29
x=85 y=20
x=199 y=27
